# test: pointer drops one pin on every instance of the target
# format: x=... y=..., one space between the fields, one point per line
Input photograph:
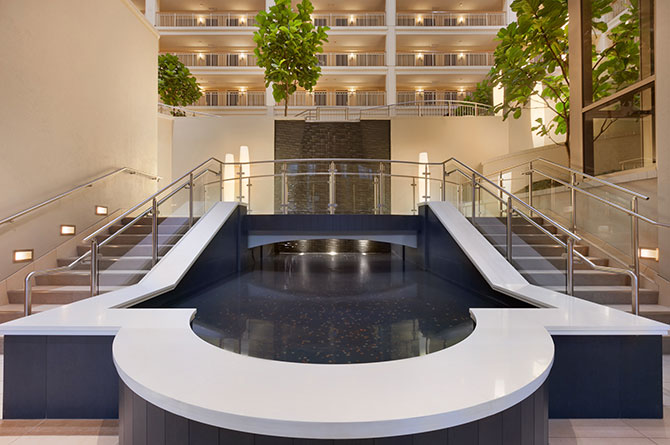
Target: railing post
x=444 y=183
x=220 y=181
x=426 y=181
x=249 y=196
x=474 y=196
x=154 y=232
x=375 y=186
x=381 y=188
x=500 y=193
x=331 y=188
x=530 y=185
x=240 y=173
x=510 y=212
x=573 y=202
x=459 y=198
x=284 y=189
x=190 y=200
x=28 y=297
x=636 y=255
x=95 y=268
x=570 y=266
x=414 y=195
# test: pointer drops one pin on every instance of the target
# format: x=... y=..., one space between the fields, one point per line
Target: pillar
x=391 y=96
x=151 y=7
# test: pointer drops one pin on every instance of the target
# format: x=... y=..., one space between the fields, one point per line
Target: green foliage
x=287 y=43
x=531 y=60
x=176 y=85
x=483 y=93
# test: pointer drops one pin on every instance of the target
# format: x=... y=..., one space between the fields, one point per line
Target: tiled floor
x=561 y=432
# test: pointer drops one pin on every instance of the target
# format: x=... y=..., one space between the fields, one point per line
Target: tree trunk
x=286 y=102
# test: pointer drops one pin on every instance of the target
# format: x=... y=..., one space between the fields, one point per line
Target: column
x=150 y=9
x=391 y=96
x=510 y=15
x=662 y=107
x=576 y=88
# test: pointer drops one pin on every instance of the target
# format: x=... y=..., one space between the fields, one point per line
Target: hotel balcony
x=305 y=99
x=343 y=59
x=206 y=19
x=235 y=101
x=198 y=60
x=444 y=59
x=451 y=19
x=347 y=19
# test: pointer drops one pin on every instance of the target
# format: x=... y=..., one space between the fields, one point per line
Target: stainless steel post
x=413 y=195
x=249 y=196
x=284 y=189
x=95 y=272
x=570 y=266
x=426 y=180
x=220 y=181
x=474 y=196
x=573 y=202
x=28 y=297
x=154 y=232
x=240 y=174
x=381 y=188
x=460 y=197
x=500 y=193
x=190 y=200
x=510 y=212
x=444 y=183
x=331 y=188
x=636 y=256
x=530 y=185
x=375 y=187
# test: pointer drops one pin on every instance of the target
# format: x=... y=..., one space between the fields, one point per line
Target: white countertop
x=506 y=358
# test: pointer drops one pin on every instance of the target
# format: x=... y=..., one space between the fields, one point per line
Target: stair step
x=9 y=312
x=133 y=263
x=501 y=228
x=610 y=295
x=503 y=219
x=167 y=220
x=134 y=239
x=83 y=277
x=163 y=229
x=536 y=262
x=57 y=294
x=535 y=238
x=540 y=249
x=118 y=250
x=656 y=312
x=581 y=277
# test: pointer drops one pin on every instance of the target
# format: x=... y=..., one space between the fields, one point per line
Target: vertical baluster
x=635 y=233
x=190 y=200
x=240 y=174
x=95 y=275
x=414 y=184
x=220 y=181
x=375 y=185
x=426 y=180
x=570 y=263
x=444 y=183
x=510 y=212
x=573 y=202
x=154 y=232
x=284 y=189
x=381 y=188
x=474 y=196
x=331 y=188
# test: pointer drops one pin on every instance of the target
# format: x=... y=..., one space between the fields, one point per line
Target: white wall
x=78 y=98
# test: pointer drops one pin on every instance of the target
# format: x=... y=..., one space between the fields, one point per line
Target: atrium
x=335 y=222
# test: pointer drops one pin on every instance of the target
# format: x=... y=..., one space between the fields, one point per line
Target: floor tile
x=600 y=441
x=591 y=428
x=84 y=427
x=18 y=427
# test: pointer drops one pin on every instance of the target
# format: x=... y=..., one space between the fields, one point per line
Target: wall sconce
x=419 y=19
x=243 y=90
x=101 y=210
x=352 y=90
x=242 y=56
x=22 y=256
x=649 y=254
x=201 y=20
x=352 y=19
x=419 y=56
x=461 y=19
x=68 y=230
x=201 y=56
x=243 y=20
x=352 y=55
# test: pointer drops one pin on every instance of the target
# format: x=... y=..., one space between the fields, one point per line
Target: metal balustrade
x=217 y=59
x=337 y=99
x=352 y=59
x=451 y=19
x=445 y=59
x=211 y=19
x=231 y=99
x=341 y=19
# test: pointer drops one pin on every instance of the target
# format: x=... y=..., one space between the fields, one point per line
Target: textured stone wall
x=354 y=182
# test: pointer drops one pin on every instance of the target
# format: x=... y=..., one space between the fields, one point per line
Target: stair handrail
x=93 y=252
x=90 y=183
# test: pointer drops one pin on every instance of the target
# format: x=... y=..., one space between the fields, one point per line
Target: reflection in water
x=345 y=308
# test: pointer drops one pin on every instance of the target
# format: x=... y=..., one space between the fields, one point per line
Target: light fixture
x=352 y=18
x=419 y=19
x=649 y=254
x=419 y=56
x=242 y=56
x=201 y=56
x=68 y=230
x=352 y=55
x=243 y=90
x=242 y=20
x=245 y=169
x=461 y=19
x=424 y=177
x=229 y=178
x=201 y=19
x=101 y=210
x=22 y=256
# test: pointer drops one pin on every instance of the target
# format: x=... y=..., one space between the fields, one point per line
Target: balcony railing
x=404 y=97
x=429 y=108
x=451 y=19
x=216 y=59
x=444 y=59
x=349 y=19
x=352 y=59
x=337 y=99
x=232 y=99
x=219 y=19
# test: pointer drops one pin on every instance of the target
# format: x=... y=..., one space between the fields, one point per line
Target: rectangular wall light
x=22 y=256
x=68 y=230
x=101 y=210
x=649 y=254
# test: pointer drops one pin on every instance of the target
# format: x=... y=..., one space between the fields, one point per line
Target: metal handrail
x=77 y=188
x=186 y=111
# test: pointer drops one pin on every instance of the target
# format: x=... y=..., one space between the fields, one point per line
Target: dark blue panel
x=511 y=432
x=139 y=434
x=439 y=437
x=201 y=434
x=155 y=425
x=25 y=379
x=467 y=434
x=82 y=382
x=491 y=430
x=398 y=440
x=336 y=224
x=271 y=440
x=229 y=437
x=176 y=429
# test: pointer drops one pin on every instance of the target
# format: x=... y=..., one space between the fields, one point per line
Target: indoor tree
x=176 y=85
x=287 y=43
x=531 y=60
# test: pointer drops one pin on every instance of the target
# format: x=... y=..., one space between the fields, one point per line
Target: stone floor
x=561 y=432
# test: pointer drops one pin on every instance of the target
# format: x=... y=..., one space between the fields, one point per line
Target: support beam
x=391 y=96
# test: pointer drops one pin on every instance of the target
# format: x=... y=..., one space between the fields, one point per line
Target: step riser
x=129 y=263
x=617 y=296
x=46 y=297
x=145 y=230
x=128 y=250
x=147 y=221
x=542 y=250
x=526 y=239
x=554 y=264
x=519 y=230
x=84 y=279
x=541 y=279
x=141 y=239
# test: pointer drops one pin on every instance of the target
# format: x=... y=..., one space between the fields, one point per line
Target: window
x=232 y=98
x=341 y=60
x=212 y=98
x=211 y=59
x=320 y=99
x=341 y=98
x=429 y=60
x=323 y=59
x=233 y=59
x=429 y=21
x=341 y=21
x=232 y=21
x=320 y=21
x=212 y=21
x=429 y=97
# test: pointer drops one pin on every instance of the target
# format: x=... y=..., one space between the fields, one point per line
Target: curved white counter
x=506 y=358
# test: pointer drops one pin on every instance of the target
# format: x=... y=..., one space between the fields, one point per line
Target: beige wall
x=78 y=89
x=164 y=151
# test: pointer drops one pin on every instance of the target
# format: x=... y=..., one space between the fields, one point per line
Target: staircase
x=542 y=262
x=125 y=261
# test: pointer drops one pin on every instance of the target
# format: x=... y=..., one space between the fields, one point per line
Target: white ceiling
x=438 y=81
x=232 y=81
x=206 y=42
x=446 y=42
x=211 y=5
x=359 y=43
